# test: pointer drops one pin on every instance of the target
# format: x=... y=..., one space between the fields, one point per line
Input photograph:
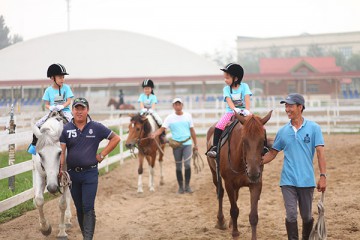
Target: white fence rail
x=332 y=119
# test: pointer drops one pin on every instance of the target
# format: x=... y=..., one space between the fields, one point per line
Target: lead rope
x=319 y=231
x=64 y=180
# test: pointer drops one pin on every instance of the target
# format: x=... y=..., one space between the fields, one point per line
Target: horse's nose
x=128 y=145
x=52 y=188
x=254 y=177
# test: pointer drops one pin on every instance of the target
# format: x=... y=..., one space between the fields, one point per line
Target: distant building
x=346 y=43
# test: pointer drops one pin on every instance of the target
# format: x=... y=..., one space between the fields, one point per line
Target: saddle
x=227 y=131
x=59 y=115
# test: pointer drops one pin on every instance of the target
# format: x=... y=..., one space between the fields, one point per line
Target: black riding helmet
x=148 y=83
x=56 y=69
x=234 y=70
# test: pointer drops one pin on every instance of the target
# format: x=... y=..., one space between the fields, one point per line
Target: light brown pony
x=140 y=128
x=119 y=106
x=240 y=166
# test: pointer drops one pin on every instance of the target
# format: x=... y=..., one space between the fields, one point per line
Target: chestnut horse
x=140 y=128
x=118 y=106
x=240 y=165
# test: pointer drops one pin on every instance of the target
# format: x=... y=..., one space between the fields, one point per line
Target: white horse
x=47 y=168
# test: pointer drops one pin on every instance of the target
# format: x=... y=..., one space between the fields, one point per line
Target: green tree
x=315 y=51
x=4 y=34
x=5 y=39
x=353 y=63
x=295 y=52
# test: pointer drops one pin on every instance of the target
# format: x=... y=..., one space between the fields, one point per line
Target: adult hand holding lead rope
x=319 y=231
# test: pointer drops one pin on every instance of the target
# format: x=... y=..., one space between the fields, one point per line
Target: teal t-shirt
x=299 y=149
x=52 y=96
x=237 y=96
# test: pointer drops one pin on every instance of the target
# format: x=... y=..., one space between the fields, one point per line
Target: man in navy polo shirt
x=81 y=138
x=299 y=139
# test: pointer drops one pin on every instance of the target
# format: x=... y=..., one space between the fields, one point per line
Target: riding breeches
x=225 y=119
x=182 y=155
x=39 y=123
x=83 y=189
x=294 y=195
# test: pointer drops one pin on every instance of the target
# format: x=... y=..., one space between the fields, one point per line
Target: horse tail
x=218 y=176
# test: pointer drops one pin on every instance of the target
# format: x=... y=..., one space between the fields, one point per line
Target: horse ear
x=266 y=118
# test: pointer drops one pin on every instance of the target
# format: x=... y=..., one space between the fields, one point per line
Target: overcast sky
x=198 y=25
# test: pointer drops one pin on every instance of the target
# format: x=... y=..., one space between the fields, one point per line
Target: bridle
x=243 y=157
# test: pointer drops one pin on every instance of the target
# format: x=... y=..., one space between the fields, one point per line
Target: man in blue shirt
x=182 y=130
x=80 y=141
x=299 y=139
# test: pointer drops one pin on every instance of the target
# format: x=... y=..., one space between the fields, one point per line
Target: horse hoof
x=68 y=225
x=62 y=238
x=140 y=191
x=47 y=232
x=221 y=226
x=162 y=183
x=152 y=189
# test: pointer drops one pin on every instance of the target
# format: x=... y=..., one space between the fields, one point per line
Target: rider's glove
x=243 y=112
x=150 y=111
x=144 y=110
x=59 y=107
x=52 y=108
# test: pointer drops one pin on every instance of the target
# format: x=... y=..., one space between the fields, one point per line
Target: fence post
x=12 y=125
x=121 y=146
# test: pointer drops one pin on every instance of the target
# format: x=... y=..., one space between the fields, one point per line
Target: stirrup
x=31 y=149
x=212 y=152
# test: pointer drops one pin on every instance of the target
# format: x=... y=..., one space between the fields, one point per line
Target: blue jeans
x=83 y=189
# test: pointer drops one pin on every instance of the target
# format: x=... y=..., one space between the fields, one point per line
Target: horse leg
x=67 y=195
x=221 y=224
x=140 y=172
x=151 y=161
x=161 y=155
x=62 y=205
x=234 y=210
x=45 y=227
x=255 y=191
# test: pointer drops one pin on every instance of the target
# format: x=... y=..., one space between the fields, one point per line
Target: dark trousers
x=83 y=189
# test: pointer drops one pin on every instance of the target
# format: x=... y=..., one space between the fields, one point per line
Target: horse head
x=139 y=128
x=112 y=102
x=252 y=144
x=49 y=150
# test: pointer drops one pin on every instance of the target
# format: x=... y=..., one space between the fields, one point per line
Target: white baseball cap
x=177 y=100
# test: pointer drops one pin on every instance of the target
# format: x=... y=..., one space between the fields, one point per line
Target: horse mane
x=253 y=127
x=50 y=133
x=145 y=122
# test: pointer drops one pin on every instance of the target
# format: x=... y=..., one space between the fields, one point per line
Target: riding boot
x=32 y=147
x=213 y=150
x=187 y=180
x=80 y=217
x=89 y=224
x=180 y=180
x=307 y=228
x=292 y=230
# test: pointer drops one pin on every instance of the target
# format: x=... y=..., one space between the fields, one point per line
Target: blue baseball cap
x=294 y=98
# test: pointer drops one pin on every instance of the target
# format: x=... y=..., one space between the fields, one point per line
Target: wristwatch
x=323 y=175
x=101 y=156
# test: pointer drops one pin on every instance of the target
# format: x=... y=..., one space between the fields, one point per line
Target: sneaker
x=31 y=149
x=188 y=189
x=212 y=152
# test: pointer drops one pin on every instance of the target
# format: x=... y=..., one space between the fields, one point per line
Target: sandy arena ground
x=122 y=213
